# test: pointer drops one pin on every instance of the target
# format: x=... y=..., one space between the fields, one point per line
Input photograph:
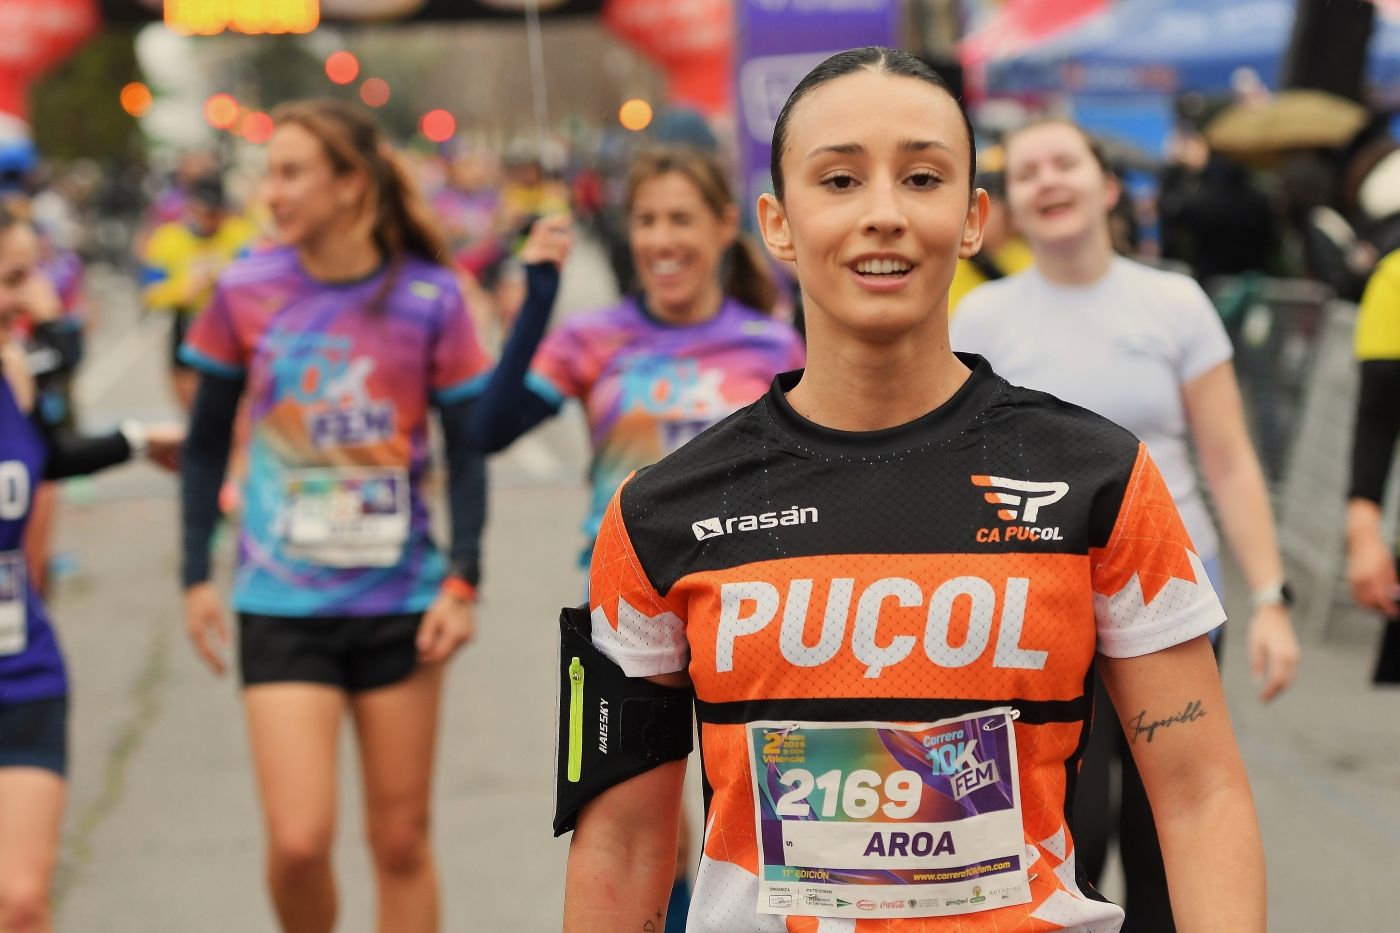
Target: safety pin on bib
x=1012 y=714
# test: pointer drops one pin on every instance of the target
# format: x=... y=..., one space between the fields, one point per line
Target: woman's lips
x=881 y=283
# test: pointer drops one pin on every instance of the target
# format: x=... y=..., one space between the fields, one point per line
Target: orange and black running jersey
x=973 y=559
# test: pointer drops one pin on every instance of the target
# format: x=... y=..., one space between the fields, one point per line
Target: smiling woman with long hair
x=342 y=340
x=1145 y=348
x=920 y=565
x=694 y=344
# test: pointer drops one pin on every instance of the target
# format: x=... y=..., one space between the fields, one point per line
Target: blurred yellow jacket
x=177 y=260
x=1378 y=323
x=1014 y=256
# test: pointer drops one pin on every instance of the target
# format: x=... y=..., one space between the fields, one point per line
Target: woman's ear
x=1113 y=190
x=729 y=224
x=974 y=224
x=773 y=224
x=352 y=197
x=350 y=189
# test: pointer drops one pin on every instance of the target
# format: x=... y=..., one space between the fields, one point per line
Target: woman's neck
x=335 y=257
x=1082 y=261
x=705 y=306
x=852 y=384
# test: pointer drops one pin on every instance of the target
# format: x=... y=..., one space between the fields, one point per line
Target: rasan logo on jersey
x=1019 y=501
x=708 y=528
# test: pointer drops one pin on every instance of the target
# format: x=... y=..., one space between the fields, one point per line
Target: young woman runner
x=342 y=340
x=33 y=679
x=917 y=568
x=1145 y=348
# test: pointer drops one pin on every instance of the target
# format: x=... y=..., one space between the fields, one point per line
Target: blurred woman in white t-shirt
x=1146 y=349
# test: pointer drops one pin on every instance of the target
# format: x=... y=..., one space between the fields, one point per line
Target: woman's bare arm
x=1174 y=716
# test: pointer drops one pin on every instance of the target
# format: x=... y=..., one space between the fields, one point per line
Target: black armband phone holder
x=611 y=727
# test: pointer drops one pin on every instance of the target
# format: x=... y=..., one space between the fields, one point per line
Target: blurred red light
x=342 y=67
x=221 y=110
x=375 y=92
x=257 y=127
x=136 y=99
x=438 y=125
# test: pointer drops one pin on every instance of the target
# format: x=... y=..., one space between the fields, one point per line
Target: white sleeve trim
x=642 y=645
x=1179 y=630
x=1130 y=626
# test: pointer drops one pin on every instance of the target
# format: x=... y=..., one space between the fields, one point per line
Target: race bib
x=349 y=517
x=14 y=623
x=882 y=820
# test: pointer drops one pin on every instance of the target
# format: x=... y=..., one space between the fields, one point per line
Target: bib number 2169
x=859 y=794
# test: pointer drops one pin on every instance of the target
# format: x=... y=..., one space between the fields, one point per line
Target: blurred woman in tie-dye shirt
x=654 y=370
x=696 y=344
x=342 y=340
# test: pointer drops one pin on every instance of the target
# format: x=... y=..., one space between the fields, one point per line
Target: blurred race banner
x=38 y=34
x=1136 y=47
x=365 y=11
x=692 y=42
x=776 y=43
x=1015 y=26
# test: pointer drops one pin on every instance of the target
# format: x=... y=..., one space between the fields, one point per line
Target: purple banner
x=776 y=42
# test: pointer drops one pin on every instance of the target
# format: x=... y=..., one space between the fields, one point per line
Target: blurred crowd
x=1327 y=213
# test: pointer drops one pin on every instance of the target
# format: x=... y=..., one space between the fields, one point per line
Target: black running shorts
x=35 y=735
x=354 y=653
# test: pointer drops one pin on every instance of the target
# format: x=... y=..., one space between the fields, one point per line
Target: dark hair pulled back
x=876 y=58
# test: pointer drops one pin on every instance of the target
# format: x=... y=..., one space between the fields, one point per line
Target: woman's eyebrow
x=904 y=145
x=838 y=148
x=919 y=145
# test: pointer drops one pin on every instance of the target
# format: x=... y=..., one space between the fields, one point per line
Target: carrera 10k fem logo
x=319 y=373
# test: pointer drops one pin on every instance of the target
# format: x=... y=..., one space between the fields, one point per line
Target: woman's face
x=1056 y=189
x=19 y=251
x=305 y=195
x=677 y=243
x=876 y=209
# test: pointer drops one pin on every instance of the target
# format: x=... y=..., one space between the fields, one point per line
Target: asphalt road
x=163 y=834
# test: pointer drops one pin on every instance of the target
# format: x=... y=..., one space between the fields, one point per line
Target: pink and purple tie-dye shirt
x=647 y=387
x=334 y=522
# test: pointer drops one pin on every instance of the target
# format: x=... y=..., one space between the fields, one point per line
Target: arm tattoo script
x=1193 y=711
